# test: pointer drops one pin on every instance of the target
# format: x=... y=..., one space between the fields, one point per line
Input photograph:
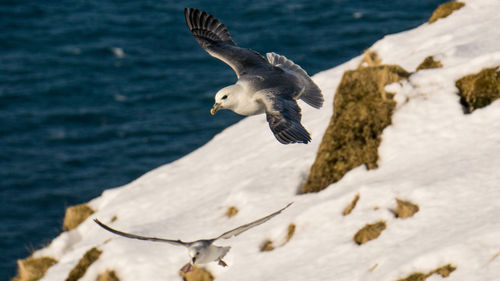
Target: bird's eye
x=224 y=97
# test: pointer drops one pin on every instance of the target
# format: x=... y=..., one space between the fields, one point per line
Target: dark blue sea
x=93 y=94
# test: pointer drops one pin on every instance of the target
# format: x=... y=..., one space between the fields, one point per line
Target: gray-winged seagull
x=200 y=251
x=271 y=86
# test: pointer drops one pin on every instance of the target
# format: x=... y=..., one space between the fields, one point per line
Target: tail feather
x=224 y=251
x=206 y=28
x=311 y=93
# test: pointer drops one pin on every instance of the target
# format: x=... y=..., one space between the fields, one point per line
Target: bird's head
x=226 y=98
x=194 y=257
x=194 y=253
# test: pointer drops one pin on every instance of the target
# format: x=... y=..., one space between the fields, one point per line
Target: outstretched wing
x=245 y=227
x=129 y=235
x=283 y=116
x=214 y=37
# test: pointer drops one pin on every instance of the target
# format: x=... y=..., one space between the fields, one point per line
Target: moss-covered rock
x=405 y=209
x=32 y=269
x=231 y=211
x=351 y=206
x=444 y=271
x=108 y=275
x=418 y=276
x=75 y=215
x=362 y=109
x=429 y=63
x=480 y=89
x=197 y=274
x=268 y=245
x=370 y=58
x=369 y=232
x=85 y=262
x=446 y=9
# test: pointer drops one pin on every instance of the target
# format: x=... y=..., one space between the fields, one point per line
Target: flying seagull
x=200 y=251
x=269 y=86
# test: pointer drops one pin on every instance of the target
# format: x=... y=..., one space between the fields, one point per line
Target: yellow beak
x=215 y=108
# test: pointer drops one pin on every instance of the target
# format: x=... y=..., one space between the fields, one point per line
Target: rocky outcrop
x=269 y=245
x=369 y=232
x=429 y=63
x=75 y=215
x=444 y=271
x=351 y=206
x=444 y=10
x=197 y=274
x=231 y=211
x=108 y=275
x=362 y=109
x=32 y=269
x=85 y=262
x=480 y=89
x=405 y=209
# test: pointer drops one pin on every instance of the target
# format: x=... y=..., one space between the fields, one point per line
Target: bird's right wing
x=134 y=236
x=214 y=37
x=245 y=227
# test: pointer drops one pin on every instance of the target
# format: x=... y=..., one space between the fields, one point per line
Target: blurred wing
x=214 y=37
x=247 y=226
x=283 y=116
x=133 y=236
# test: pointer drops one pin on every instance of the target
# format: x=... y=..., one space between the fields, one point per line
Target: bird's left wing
x=134 y=236
x=245 y=227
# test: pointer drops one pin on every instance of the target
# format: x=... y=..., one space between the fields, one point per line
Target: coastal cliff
x=401 y=178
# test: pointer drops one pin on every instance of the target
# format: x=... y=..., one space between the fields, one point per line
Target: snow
x=432 y=155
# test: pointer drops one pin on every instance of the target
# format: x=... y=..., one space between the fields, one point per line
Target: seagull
x=200 y=251
x=269 y=86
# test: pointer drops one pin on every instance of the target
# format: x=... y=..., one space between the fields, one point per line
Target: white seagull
x=271 y=86
x=200 y=251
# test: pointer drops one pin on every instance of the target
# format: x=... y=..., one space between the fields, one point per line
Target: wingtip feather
x=206 y=28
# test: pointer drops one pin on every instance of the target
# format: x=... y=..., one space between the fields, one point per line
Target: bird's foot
x=188 y=267
x=222 y=263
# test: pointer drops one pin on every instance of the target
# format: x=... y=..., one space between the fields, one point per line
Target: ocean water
x=93 y=94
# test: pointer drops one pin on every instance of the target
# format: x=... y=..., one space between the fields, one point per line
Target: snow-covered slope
x=433 y=155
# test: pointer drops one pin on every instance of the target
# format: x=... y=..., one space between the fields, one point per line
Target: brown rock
x=444 y=271
x=75 y=215
x=369 y=232
x=197 y=274
x=32 y=269
x=85 y=262
x=480 y=89
x=370 y=58
x=108 y=275
x=429 y=63
x=405 y=209
x=415 y=277
x=362 y=110
x=351 y=206
x=231 y=211
x=446 y=9
x=268 y=246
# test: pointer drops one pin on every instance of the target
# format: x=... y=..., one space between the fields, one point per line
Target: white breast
x=249 y=107
x=210 y=254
